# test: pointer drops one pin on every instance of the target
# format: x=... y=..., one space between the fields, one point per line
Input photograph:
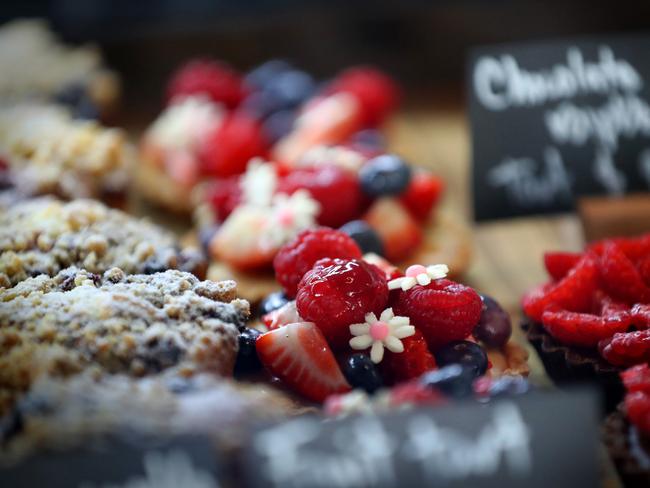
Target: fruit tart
x=591 y=319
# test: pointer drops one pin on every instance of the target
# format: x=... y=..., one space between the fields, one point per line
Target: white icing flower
x=419 y=275
x=259 y=182
x=387 y=331
x=289 y=215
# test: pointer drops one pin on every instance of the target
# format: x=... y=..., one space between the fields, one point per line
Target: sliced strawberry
x=558 y=264
x=399 y=231
x=582 y=329
x=415 y=360
x=299 y=355
x=390 y=270
x=573 y=293
x=619 y=277
x=422 y=194
x=286 y=314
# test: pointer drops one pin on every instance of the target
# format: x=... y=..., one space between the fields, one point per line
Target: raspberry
x=619 y=277
x=641 y=316
x=627 y=348
x=443 y=310
x=227 y=150
x=298 y=256
x=637 y=378
x=212 y=78
x=422 y=194
x=573 y=293
x=336 y=189
x=558 y=264
x=415 y=360
x=338 y=292
x=582 y=329
x=643 y=266
x=634 y=248
x=224 y=195
x=375 y=91
x=637 y=405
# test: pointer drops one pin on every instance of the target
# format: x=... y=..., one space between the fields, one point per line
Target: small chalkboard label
x=554 y=120
x=539 y=440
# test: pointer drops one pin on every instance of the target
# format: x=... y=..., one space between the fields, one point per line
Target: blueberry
x=494 y=327
x=205 y=237
x=383 y=175
x=247 y=360
x=272 y=302
x=365 y=236
x=453 y=380
x=260 y=76
x=465 y=353
x=278 y=124
x=362 y=373
x=509 y=386
x=290 y=88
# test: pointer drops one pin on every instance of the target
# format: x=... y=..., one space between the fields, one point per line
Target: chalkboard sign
x=539 y=440
x=554 y=120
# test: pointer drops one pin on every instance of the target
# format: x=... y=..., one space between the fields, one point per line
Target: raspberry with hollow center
x=340 y=292
x=626 y=348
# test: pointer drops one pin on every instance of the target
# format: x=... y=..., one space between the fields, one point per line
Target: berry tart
x=591 y=319
x=348 y=321
x=627 y=431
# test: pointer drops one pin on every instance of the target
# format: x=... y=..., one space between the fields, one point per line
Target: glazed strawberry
x=626 y=348
x=558 y=264
x=637 y=378
x=299 y=355
x=211 y=78
x=399 y=231
x=573 y=293
x=582 y=329
x=619 y=277
x=443 y=310
x=376 y=92
x=298 y=256
x=224 y=195
x=422 y=194
x=229 y=148
x=336 y=189
x=415 y=360
x=286 y=314
x=338 y=292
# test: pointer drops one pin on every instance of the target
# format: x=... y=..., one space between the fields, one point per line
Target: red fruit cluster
x=598 y=298
x=637 y=399
x=414 y=361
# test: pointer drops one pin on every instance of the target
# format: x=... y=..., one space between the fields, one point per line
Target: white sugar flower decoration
x=419 y=275
x=259 y=182
x=289 y=215
x=379 y=333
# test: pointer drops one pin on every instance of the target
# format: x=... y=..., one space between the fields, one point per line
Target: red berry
x=286 y=314
x=443 y=310
x=299 y=355
x=399 y=231
x=229 y=148
x=336 y=189
x=637 y=378
x=422 y=194
x=626 y=348
x=390 y=270
x=339 y=292
x=640 y=316
x=214 y=79
x=415 y=360
x=619 y=277
x=573 y=293
x=634 y=248
x=582 y=329
x=637 y=406
x=224 y=194
x=376 y=92
x=643 y=266
x=558 y=264
x=298 y=256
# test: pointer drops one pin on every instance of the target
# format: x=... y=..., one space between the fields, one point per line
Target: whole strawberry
x=338 y=292
x=443 y=310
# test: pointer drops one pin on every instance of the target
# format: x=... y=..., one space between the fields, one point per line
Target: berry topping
x=412 y=362
x=362 y=373
x=494 y=327
x=376 y=92
x=247 y=360
x=443 y=310
x=582 y=329
x=637 y=378
x=399 y=231
x=298 y=256
x=365 y=236
x=299 y=355
x=390 y=270
x=468 y=354
x=340 y=292
x=637 y=399
x=212 y=78
x=558 y=264
x=224 y=195
x=417 y=274
x=336 y=189
x=626 y=349
x=453 y=380
x=387 y=331
x=286 y=314
x=422 y=194
x=271 y=302
x=620 y=278
x=289 y=88
x=384 y=175
x=263 y=74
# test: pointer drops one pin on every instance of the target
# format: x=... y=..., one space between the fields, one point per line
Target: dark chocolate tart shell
x=567 y=365
x=629 y=451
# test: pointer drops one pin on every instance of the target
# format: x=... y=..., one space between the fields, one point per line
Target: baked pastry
x=592 y=318
x=44 y=150
x=45 y=236
x=118 y=323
